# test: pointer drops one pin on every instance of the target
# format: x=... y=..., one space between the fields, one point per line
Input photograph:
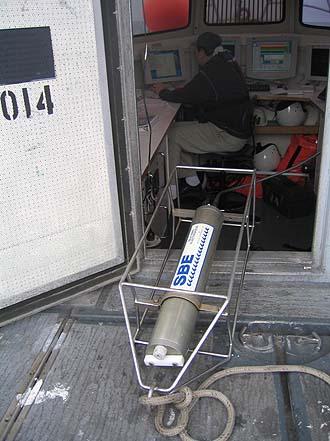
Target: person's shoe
x=191 y=197
x=152 y=240
x=186 y=190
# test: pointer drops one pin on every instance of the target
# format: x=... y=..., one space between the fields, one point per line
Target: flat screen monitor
x=271 y=58
x=165 y=65
x=233 y=46
x=318 y=63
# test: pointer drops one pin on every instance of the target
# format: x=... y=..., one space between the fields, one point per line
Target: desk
x=307 y=97
x=166 y=112
x=158 y=145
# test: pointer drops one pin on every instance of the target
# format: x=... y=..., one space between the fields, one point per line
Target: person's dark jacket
x=220 y=94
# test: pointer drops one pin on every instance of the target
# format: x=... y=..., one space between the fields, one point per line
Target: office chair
x=215 y=182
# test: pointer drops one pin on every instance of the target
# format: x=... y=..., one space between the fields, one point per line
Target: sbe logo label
x=14 y=104
x=193 y=257
x=183 y=270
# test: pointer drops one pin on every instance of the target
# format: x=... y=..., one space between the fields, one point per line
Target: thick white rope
x=185 y=399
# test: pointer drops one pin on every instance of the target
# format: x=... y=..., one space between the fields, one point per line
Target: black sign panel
x=25 y=55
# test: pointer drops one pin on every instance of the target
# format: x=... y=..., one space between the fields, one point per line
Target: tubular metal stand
x=146 y=298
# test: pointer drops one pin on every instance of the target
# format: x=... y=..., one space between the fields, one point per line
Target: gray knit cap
x=208 y=41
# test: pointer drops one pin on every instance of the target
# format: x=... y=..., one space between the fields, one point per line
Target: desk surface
x=307 y=97
x=165 y=112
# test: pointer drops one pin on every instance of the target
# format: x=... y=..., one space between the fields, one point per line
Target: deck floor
x=86 y=388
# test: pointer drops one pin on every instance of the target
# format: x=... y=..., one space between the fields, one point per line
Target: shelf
x=269 y=97
x=283 y=130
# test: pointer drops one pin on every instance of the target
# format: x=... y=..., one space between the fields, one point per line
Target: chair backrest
x=249 y=118
x=249 y=121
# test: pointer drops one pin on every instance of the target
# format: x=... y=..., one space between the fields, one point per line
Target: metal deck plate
x=90 y=391
x=20 y=344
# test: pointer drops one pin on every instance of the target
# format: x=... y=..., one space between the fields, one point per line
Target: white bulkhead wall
x=59 y=215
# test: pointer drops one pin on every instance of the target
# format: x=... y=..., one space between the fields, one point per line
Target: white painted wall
x=59 y=211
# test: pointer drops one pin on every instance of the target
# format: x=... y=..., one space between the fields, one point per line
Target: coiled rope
x=185 y=399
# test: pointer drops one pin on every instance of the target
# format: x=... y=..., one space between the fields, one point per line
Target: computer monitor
x=317 y=63
x=271 y=58
x=165 y=65
x=234 y=47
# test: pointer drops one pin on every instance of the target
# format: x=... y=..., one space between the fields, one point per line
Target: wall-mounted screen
x=271 y=57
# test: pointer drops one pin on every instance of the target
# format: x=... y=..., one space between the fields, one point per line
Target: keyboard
x=258 y=87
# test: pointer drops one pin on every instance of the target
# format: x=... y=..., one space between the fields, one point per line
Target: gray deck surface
x=20 y=343
x=90 y=391
x=311 y=397
x=95 y=370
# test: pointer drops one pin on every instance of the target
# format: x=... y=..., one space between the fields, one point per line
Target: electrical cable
x=185 y=399
x=258 y=181
x=143 y=91
x=149 y=197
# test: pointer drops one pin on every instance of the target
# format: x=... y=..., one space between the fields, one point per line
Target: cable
x=185 y=399
x=143 y=91
x=258 y=181
x=149 y=198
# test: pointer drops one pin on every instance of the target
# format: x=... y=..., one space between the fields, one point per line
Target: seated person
x=221 y=97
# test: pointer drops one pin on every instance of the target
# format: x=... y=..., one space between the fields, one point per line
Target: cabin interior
x=299 y=74
x=69 y=369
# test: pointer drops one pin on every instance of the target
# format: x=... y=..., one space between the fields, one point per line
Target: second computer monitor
x=271 y=58
x=317 y=63
x=165 y=65
x=234 y=47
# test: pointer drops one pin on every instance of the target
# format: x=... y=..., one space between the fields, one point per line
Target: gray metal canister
x=175 y=325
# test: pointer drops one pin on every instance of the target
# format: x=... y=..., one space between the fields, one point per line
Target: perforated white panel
x=59 y=212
